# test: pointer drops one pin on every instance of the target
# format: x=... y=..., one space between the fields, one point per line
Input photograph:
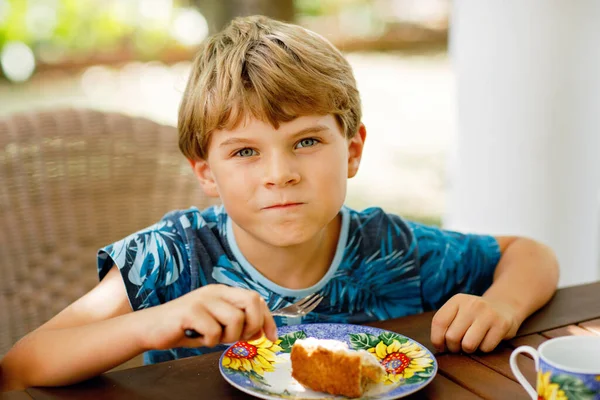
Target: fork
x=297 y=309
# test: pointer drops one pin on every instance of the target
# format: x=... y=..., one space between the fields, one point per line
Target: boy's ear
x=355 y=149
x=205 y=177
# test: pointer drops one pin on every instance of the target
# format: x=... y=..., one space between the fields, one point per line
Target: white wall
x=527 y=161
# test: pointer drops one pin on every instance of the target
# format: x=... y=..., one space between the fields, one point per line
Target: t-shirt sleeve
x=152 y=263
x=452 y=262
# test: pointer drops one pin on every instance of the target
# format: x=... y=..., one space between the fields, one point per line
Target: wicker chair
x=72 y=181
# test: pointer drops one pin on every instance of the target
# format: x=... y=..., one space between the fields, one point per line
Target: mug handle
x=515 y=368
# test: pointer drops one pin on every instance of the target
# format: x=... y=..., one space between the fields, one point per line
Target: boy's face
x=281 y=186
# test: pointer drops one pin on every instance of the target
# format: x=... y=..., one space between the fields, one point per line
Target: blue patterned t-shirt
x=384 y=267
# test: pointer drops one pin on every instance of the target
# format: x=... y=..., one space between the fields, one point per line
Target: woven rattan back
x=72 y=181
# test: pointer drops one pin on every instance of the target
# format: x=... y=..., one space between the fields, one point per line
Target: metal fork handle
x=192 y=333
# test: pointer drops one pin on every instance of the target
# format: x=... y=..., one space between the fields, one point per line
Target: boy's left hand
x=467 y=322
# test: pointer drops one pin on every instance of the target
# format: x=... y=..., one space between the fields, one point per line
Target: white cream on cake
x=329 y=344
x=312 y=343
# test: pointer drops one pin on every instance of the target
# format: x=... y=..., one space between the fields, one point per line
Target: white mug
x=567 y=368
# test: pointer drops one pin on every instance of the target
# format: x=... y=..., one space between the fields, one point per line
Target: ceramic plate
x=263 y=369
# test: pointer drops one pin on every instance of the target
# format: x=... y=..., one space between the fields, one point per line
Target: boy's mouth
x=282 y=206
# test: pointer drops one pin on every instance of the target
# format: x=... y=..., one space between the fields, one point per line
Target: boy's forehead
x=250 y=125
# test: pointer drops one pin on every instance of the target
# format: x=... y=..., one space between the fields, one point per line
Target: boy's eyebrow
x=234 y=140
x=310 y=129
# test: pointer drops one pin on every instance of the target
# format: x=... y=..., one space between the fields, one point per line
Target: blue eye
x=308 y=142
x=246 y=152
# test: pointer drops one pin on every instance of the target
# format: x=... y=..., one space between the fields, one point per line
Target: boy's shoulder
x=374 y=234
x=193 y=217
x=373 y=230
x=157 y=262
x=375 y=224
x=173 y=235
x=380 y=224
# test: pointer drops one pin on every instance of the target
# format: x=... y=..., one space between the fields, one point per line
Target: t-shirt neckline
x=283 y=291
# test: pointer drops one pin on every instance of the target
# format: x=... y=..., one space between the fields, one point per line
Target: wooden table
x=572 y=311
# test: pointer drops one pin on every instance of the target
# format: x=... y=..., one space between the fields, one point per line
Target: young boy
x=271 y=124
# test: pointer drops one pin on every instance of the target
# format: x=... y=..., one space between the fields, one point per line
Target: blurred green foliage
x=327 y=7
x=58 y=29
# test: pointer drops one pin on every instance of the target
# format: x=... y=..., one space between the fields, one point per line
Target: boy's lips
x=282 y=206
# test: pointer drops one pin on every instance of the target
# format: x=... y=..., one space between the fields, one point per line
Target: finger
x=475 y=334
x=493 y=337
x=255 y=310
x=258 y=321
x=207 y=326
x=440 y=323
x=456 y=331
x=241 y=298
x=256 y=336
x=269 y=325
x=231 y=318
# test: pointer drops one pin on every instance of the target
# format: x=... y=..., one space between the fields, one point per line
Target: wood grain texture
x=499 y=361
x=570 y=330
x=592 y=326
x=442 y=388
x=14 y=395
x=479 y=378
x=533 y=340
x=569 y=305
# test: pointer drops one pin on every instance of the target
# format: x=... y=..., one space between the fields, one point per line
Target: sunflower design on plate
x=254 y=357
x=404 y=360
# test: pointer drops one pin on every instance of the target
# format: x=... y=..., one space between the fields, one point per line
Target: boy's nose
x=281 y=171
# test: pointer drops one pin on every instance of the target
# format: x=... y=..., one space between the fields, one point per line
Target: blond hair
x=269 y=70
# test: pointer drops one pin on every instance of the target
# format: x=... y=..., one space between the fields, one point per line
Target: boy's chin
x=279 y=238
x=285 y=241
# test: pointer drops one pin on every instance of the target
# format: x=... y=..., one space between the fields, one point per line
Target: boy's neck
x=297 y=267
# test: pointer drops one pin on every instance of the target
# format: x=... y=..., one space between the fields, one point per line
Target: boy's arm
x=99 y=331
x=526 y=276
x=525 y=279
x=83 y=340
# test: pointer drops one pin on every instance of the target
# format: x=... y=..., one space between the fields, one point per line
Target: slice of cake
x=330 y=366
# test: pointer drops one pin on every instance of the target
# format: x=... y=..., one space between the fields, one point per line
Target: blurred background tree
x=46 y=34
x=220 y=12
x=76 y=33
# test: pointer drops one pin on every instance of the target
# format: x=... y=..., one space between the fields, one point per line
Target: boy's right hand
x=219 y=313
